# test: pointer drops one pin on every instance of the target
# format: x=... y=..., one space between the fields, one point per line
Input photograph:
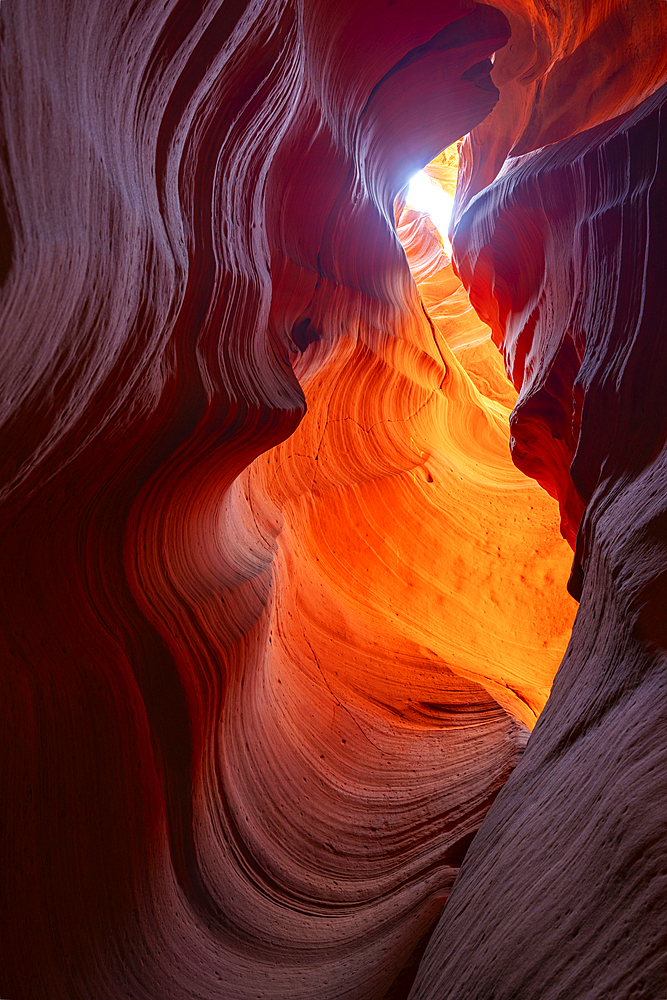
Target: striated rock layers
x=278 y=610
x=564 y=891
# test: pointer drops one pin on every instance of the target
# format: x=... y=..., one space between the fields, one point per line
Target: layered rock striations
x=278 y=610
x=253 y=719
x=563 y=891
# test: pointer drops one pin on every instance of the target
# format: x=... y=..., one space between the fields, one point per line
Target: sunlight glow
x=426 y=195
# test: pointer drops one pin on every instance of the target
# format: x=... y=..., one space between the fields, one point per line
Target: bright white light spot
x=426 y=195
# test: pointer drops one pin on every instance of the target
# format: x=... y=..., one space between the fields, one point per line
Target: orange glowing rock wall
x=278 y=610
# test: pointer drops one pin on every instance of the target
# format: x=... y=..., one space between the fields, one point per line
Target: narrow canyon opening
x=423 y=213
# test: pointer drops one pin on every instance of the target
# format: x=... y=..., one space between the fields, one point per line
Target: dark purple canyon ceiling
x=279 y=612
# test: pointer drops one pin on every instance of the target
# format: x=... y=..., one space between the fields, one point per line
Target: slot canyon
x=334 y=557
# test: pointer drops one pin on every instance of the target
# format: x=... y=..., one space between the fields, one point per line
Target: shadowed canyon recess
x=299 y=501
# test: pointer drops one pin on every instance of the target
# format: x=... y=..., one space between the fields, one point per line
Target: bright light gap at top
x=425 y=195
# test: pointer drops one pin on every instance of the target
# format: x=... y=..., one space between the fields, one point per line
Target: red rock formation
x=563 y=892
x=196 y=806
x=274 y=630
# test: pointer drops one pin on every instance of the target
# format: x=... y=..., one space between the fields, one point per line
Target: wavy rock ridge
x=275 y=630
x=562 y=893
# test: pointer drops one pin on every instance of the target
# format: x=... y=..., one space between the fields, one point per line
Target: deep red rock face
x=574 y=326
x=563 y=891
x=274 y=617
